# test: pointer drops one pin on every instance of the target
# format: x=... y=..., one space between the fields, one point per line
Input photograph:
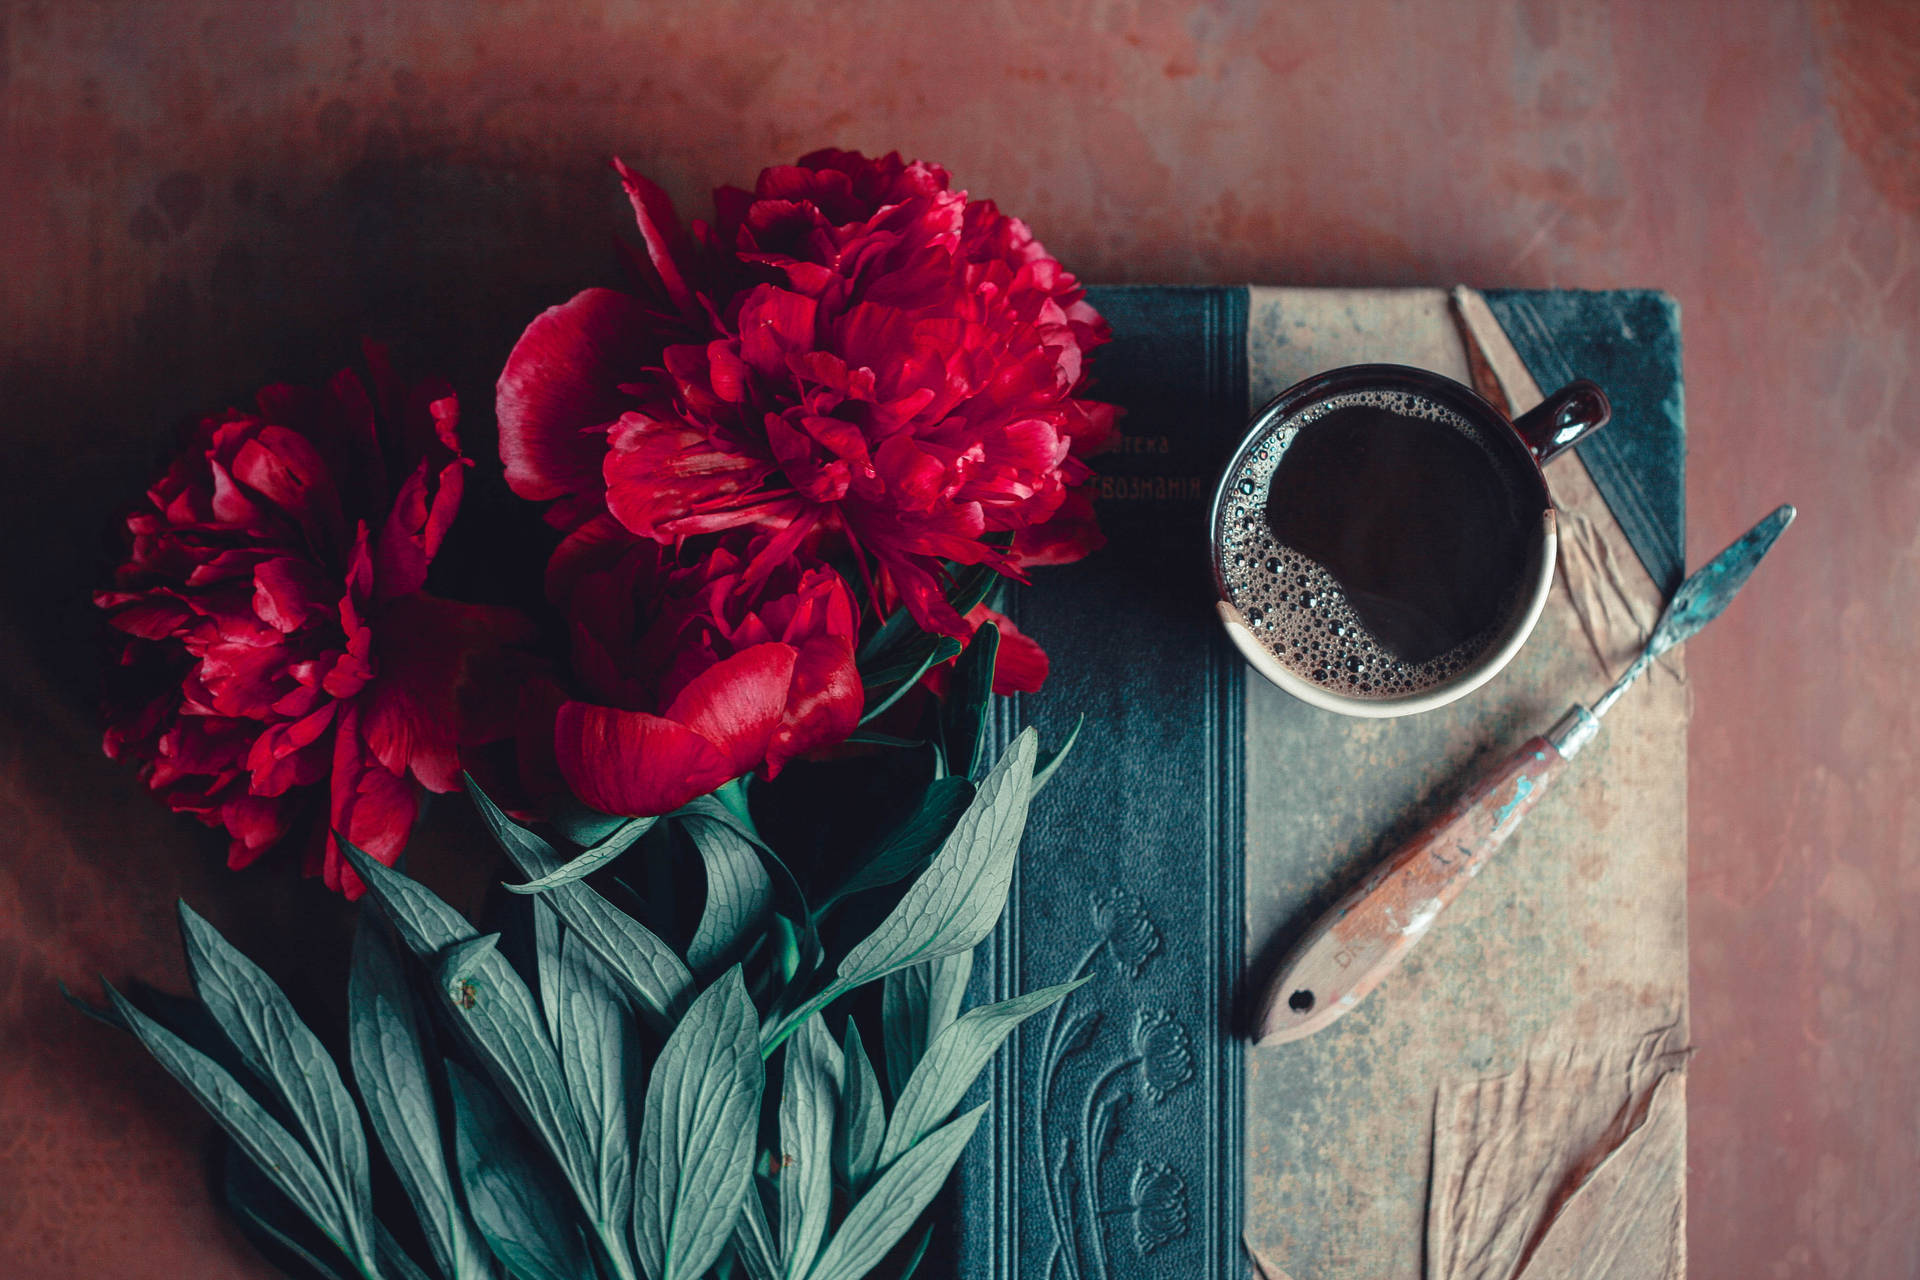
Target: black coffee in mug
x=1376 y=543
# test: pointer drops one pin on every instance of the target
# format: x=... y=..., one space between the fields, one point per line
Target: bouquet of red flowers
x=787 y=470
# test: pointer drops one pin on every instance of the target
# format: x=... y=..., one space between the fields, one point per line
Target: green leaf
x=425 y=924
x=787 y=888
x=519 y=1210
x=916 y=1005
x=870 y=738
x=953 y=1061
x=954 y=904
x=963 y=716
x=494 y=1010
x=900 y=632
x=546 y=963
x=591 y=860
x=598 y=1057
x=753 y=1240
x=909 y=846
x=809 y=1096
x=459 y=962
x=697 y=1133
x=1049 y=763
x=739 y=893
x=389 y=1054
x=277 y=1228
x=579 y=824
x=912 y=1263
x=899 y=1195
x=489 y=1002
x=638 y=960
x=394 y=1258
x=288 y=1058
x=887 y=685
x=862 y=1123
x=277 y=1153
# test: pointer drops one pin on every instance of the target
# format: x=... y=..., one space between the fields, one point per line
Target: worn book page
x=1510 y=1102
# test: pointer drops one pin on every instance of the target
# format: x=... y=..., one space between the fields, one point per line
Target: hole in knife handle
x=1301 y=1002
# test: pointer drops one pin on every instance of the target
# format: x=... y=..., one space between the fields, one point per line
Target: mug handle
x=1570 y=414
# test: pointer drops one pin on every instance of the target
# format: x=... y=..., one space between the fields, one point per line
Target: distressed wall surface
x=201 y=195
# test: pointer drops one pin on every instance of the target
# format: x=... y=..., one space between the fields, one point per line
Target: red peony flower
x=700 y=673
x=274 y=587
x=853 y=350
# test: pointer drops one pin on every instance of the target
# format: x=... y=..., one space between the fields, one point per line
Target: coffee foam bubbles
x=1294 y=606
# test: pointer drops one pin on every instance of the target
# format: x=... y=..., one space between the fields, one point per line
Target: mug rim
x=1544 y=554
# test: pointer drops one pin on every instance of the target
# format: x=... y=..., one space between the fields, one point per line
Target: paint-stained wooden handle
x=1362 y=937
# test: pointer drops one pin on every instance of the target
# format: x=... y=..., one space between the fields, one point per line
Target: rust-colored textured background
x=199 y=195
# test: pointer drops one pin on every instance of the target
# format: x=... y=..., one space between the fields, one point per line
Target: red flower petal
x=823 y=704
x=739 y=702
x=288 y=594
x=291 y=754
x=661 y=468
x=283 y=467
x=256 y=823
x=446 y=680
x=561 y=387
x=410 y=536
x=1020 y=665
x=373 y=808
x=629 y=762
x=1073 y=533
x=660 y=228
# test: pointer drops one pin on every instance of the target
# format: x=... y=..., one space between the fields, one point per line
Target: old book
x=1206 y=816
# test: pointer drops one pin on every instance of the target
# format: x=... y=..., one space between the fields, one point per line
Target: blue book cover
x=1116 y=1142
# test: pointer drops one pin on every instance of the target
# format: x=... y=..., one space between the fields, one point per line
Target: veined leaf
x=590 y=860
x=809 y=1096
x=275 y=1226
x=459 y=962
x=1050 y=762
x=546 y=963
x=487 y=1000
x=697 y=1133
x=739 y=893
x=787 y=893
x=954 y=904
x=275 y=1151
x=581 y=825
x=909 y=846
x=955 y=1058
x=288 y=1058
x=425 y=924
x=394 y=1258
x=493 y=1009
x=916 y=1005
x=638 y=960
x=753 y=1239
x=598 y=1057
x=963 y=716
x=390 y=1055
x=862 y=1123
x=518 y=1209
x=899 y=1195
